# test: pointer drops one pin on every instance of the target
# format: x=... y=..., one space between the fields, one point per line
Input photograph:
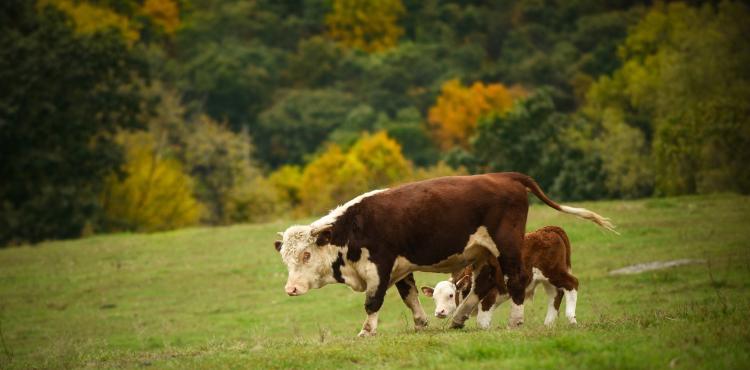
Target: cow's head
x=445 y=295
x=308 y=256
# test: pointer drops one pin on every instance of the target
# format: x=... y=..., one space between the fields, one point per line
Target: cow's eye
x=451 y=296
x=305 y=257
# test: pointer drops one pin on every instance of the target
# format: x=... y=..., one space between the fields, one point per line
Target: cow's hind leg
x=509 y=240
x=407 y=289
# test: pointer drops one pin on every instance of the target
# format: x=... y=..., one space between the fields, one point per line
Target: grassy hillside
x=213 y=298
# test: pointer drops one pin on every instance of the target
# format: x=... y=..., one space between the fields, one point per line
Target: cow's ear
x=427 y=291
x=463 y=282
x=277 y=244
x=324 y=238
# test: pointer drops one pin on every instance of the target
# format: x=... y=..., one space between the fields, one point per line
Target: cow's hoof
x=363 y=334
x=455 y=325
x=420 y=324
x=573 y=321
x=515 y=324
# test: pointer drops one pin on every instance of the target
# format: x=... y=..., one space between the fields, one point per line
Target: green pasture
x=214 y=298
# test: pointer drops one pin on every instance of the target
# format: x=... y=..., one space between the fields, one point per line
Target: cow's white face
x=308 y=263
x=444 y=295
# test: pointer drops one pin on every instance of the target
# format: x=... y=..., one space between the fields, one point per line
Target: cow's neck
x=351 y=273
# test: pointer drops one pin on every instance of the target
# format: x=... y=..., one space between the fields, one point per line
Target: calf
x=546 y=256
x=380 y=238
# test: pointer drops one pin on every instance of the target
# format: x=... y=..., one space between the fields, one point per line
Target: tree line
x=144 y=115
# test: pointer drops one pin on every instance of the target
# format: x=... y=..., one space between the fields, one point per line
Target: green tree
x=64 y=95
x=683 y=88
x=232 y=80
x=298 y=123
x=409 y=130
x=526 y=139
x=227 y=180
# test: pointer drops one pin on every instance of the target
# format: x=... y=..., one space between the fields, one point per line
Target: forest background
x=144 y=115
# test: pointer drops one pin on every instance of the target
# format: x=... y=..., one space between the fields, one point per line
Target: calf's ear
x=427 y=291
x=277 y=244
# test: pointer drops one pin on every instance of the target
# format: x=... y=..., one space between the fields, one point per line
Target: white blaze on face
x=444 y=295
x=309 y=265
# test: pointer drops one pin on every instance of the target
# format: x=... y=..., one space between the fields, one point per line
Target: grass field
x=214 y=298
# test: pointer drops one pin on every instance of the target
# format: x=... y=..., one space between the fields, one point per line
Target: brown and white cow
x=546 y=256
x=440 y=225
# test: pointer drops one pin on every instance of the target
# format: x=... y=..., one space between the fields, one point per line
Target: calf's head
x=446 y=295
x=307 y=254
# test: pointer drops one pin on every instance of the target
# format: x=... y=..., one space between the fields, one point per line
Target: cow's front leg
x=377 y=283
x=407 y=289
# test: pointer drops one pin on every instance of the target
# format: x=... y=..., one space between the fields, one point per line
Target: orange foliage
x=454 y=117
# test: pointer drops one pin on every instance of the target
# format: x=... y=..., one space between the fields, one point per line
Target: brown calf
x=546 y=257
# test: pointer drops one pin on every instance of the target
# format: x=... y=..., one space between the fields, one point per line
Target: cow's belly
x=479 y=247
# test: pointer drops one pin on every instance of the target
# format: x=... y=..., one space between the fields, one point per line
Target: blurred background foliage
x=147 y=115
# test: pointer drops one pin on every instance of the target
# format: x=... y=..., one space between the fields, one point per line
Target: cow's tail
x=584 y=213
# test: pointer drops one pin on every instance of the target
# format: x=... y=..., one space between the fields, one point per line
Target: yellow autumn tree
x=287 y=181
x=331 y=179
x=154 y=194
x=454 y=116
x=90 y=18
x=382 y=158
x=370 y=25
x=375 y=161
x=165 y=13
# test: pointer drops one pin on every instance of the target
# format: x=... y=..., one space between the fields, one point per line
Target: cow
x=379 y=238
x=545 y=254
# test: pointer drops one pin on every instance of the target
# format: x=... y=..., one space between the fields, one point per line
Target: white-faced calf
x=546 y=257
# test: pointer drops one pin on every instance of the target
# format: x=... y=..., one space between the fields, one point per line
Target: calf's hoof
x=515 y=324
x=456 y=325
x=420 y=324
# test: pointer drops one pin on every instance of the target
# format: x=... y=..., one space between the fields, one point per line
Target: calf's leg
x=554 y=297
x=407 y=289
x=569 y=285
x=483 y=281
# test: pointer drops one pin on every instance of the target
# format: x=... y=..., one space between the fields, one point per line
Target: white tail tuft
x=591 y=216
